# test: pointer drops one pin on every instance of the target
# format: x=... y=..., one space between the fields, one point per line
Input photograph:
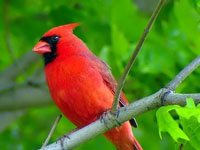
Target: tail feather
x=122 y=137
x=136 y=145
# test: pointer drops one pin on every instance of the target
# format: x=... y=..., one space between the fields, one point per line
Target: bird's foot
x=62 y=139
x=109 y=117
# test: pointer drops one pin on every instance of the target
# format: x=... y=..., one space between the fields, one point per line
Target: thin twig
x=51 y=131
x=183 y=74
x=134 y=55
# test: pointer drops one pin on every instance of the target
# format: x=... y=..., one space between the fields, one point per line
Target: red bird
x=81 y=85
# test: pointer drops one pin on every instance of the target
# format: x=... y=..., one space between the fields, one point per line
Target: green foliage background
x=110 y=29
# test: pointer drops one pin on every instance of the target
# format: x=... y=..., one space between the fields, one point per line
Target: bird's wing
x=111 y=83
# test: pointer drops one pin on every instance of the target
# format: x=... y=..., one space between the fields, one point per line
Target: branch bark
x=25 y=96
x=14 y=70
x=183 y=74
x=151 y=102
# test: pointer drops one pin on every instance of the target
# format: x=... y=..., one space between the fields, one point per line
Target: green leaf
x=124 y=14
x=120 y=47
x=190 y=103
x=190 y=121
x=190 y=110
x=167 y=124
x=184 y=9
x=119 y=42
x=192 y=128
x=188 y=128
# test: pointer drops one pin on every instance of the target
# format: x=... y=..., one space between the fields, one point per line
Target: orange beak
x=42 y=47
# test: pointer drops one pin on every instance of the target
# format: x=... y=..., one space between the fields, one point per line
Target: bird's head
x=52 y=39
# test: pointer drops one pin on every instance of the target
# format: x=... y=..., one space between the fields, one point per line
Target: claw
x=62 y=140
x=116 y=114
x=103 y=119
x=62 y=143
x=108 y=117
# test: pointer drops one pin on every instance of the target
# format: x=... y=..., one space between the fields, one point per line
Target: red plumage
x=81 y=85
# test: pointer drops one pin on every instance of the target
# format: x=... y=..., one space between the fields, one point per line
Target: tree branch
x=143 y=105
x=163 y=97
x=25 y=96
x=134 y=55
x=8 y=76
x=178 y=99
x=24 y=62
x=183 y=74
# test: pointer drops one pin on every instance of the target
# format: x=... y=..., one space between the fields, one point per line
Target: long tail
x=122 y=137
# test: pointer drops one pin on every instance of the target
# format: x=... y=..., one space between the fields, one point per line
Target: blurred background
x=111 y=30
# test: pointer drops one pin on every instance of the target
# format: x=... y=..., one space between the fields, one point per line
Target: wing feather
x=111 y=83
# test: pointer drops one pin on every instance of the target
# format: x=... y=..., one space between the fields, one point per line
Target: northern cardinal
x=81 y=84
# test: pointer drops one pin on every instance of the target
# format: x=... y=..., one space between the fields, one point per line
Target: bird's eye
x=55 y=38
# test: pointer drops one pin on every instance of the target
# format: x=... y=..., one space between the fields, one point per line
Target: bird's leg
x=107 y=117
x=61 y=139
x=62 y=142
x=116 y=115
